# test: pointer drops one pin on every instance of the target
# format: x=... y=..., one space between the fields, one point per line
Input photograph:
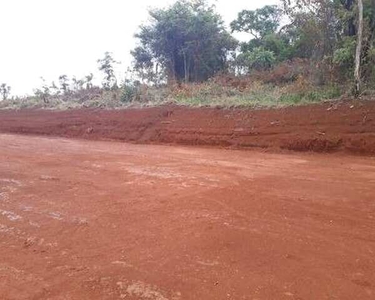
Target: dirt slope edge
x=345 y=126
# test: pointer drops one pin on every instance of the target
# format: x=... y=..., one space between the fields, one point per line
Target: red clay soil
x=97 y=220
x=340 y=126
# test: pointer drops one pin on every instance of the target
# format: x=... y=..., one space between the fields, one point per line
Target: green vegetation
x=300 y=51
x=255 y=95
x=185 y=42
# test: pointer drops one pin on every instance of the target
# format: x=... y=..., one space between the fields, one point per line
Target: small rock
x=29 y=242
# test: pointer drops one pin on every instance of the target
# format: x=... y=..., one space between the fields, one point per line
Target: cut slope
x=329 y=127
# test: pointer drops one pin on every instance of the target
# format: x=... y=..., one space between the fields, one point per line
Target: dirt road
x=107 y=220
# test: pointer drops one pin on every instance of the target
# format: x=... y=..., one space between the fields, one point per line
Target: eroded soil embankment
x=345 y=126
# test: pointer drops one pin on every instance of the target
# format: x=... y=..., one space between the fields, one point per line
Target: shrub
x=285 y=72
x=258 y=59
x=130 y=91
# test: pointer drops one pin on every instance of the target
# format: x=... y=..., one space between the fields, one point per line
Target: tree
x=267 y=45
x=43 y=92
x=106 y=66
x=357 y=71
x=259 y=22
x=54 y=88
x=64 y=83
x=184 y=42
x=88 y=79
x=4 y=91
x=325 y=31
x=314 y=26
x=316 y=30
x=77 y=83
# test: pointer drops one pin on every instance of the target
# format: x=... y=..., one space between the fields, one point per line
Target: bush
x=285 y=72
x=130 y=91
x=258 y=59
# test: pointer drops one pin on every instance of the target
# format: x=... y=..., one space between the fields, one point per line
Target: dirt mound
x=345 y=126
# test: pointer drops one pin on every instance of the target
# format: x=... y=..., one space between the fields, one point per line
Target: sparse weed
x=220 y=91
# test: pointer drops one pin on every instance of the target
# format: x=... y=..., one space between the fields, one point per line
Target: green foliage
x=130 y=91
x=258 y=59
x=325 y=32
x=184 y=42
x=144 y=64
x=259 y=22
x=254 y=95
x=279 y=45
x=304 y=44
x=267 y=45
x=344 y=56
x=315 y=95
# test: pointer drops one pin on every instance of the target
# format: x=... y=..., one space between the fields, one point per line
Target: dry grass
x=287 y=84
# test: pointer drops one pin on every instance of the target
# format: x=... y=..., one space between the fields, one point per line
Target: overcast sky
x=53 y=37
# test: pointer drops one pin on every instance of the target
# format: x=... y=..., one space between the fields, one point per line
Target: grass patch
x=259 y=95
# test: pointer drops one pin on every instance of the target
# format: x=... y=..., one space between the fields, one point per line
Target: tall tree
x=267 y=44
x=325 y=31
x=186 y=42
x=259 y=22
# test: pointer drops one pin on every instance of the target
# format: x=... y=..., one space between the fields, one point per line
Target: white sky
x=53 y=37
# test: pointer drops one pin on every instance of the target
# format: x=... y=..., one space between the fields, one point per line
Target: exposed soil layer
x=345 y=126
x=87 y=220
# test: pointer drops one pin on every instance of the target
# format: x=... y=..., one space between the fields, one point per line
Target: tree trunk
x=351 y=22
x=372 y=26
x=357 y=69
x=186 y=67
x=171 y=73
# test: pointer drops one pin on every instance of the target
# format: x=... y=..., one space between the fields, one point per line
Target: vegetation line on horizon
x=299 y=51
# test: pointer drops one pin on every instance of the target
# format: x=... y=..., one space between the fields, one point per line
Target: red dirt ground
x=330 y=127
x=106 y=220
